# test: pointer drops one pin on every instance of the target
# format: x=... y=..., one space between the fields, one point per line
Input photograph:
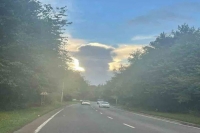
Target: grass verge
x=182 y=117
x=13 y=120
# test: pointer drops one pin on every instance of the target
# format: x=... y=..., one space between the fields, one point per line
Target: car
x=99 y=100
x=104 y=105
x=85 y=102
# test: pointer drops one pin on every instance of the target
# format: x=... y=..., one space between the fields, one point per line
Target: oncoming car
x=104 y=105
x=99 y=100
x=85 y=102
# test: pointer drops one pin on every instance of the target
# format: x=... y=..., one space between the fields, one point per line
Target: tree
x=164 y=76
x=32 y=59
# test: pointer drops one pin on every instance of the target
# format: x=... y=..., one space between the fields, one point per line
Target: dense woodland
x=165 y=76
x=32 y=58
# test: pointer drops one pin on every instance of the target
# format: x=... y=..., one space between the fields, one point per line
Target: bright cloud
x=121 y=54
x=98 y=59
x=101 y=45
x=76 y=66
x=94 y=58
x=74 y=44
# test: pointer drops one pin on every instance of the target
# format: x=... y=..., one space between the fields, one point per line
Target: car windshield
x=100 y=100
x=78 y=66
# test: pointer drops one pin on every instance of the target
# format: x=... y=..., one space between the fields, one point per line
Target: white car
x=99 y=100
x=85 y=102
x=104 y=105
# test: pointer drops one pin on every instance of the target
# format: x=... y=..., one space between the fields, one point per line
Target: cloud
x=94 y=58
x=142 y=37
x=121 y=54
x=75 y=65
x=73 y=44
x=101 y=45
x=180 y=12
x=158 y=17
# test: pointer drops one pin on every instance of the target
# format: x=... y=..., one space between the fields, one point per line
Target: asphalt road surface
x=92 y=119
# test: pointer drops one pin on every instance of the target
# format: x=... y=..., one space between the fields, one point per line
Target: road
x=92 y=119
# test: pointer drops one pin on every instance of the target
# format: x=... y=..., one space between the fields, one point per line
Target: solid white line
x=43 y=124
x=128 y=125
x=172 y=122
x=101 y=113
x=109 y=117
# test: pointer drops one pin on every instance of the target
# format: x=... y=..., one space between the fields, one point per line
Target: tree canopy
x=32 y=58
x=163 y=76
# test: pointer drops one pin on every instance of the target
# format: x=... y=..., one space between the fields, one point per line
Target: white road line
x=128 y=125
x=101 y=113
x=161 y=119
x=172 y=122
x=43 y=124
x=109 y=117
x=96 y=110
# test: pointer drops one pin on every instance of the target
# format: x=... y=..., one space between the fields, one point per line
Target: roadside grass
x=182 y=117
x=13 y=120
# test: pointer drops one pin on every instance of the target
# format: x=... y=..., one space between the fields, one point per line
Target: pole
x=41 y=100
x=44 y=99
x=62 y=92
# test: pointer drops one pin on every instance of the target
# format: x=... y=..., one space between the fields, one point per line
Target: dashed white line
x=96 y=110
x=101 y=113
x=161 y=119
x=43 y=124
x=128 y=125
x=109 y=117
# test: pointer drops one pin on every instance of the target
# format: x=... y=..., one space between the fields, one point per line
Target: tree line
x=164 y=76
x=32 y=55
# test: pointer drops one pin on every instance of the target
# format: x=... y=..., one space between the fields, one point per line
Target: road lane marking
x=96 y=110
x=101 y=113
x=128 y=125
x=43 y=124
x=109 y=117
x=165 y=120
x=160 y=119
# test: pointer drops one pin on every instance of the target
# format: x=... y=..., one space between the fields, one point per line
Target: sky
x=105 y=32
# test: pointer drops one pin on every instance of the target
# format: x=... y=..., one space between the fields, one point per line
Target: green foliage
x=165 y=76
x=32 y=59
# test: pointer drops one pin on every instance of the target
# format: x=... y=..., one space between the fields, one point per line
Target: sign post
x=43 y=94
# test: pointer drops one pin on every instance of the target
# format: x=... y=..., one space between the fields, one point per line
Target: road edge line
x=44 y=123
x=169 y=120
